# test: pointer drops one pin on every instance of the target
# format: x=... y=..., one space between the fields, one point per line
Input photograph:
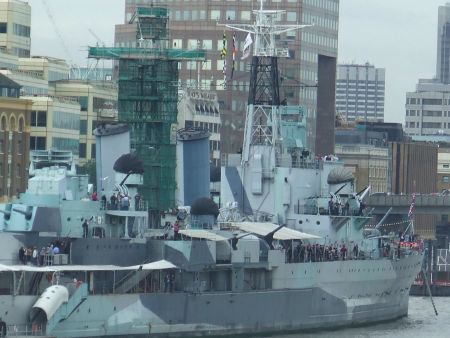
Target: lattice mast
x=263 y=120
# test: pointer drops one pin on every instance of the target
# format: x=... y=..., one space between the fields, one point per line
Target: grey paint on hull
x=95 y=251
x=239 y=193
x=181 y=314
x=47 y=219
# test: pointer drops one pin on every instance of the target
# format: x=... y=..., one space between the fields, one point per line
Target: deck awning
x=203 y=234
x=159 y=265
x=264 y=228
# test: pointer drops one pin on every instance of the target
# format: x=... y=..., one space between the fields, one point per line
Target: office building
x=369 y=164
x=308 y=76
x=199 y=109
x=428 y=109
x=443 y=44
x=51 y=69
x=443 y=169
x=55 y=123
x=14 y=140
x=15 y=22
x=360 y=92
x=98 y=103
x=64 y=112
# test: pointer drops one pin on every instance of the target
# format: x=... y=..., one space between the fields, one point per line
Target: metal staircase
x=130 y=281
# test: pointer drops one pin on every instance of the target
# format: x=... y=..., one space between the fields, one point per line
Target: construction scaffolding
x=148 y=96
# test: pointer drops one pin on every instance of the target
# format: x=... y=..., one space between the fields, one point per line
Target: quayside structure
x=148 y=96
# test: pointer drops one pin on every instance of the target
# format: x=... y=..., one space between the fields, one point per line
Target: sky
x=398 y=35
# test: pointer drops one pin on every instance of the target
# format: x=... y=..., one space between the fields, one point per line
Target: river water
x=421 y=322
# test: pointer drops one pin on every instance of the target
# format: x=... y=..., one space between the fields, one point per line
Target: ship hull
x=366 y=297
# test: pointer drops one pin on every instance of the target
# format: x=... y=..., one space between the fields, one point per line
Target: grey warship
x=289 y=251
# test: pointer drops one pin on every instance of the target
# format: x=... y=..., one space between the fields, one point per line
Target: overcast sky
x=399 y=35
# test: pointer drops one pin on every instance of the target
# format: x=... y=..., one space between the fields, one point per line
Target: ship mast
x=263 y=120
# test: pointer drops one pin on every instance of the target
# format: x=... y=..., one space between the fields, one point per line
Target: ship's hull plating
x=370 y=291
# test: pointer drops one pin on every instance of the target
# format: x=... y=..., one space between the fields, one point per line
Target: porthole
x=318 y=222
x=300 y=222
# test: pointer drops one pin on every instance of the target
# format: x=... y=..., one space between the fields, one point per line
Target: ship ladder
x=22 y=275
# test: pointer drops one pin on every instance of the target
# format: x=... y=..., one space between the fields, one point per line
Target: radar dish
x=340 y=175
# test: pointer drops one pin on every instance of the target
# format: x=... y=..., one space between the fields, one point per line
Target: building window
x=20 y=125
x=21 y=30
x=230 y=15
x=19 y=147
x=446 y=165
x=220 y=64
x=37 y=143
x=206 y=65
x=3 y=28
x=207 y=44
x=82 y=150
x=191 y=65
x=1 y=169
x=445 y=179
x=83 y=127
x=291 y=16
x=177 y=43
x=18 y=170
x=93 y=151
x=215 y=14
x=193 y=44
x=245 y=15
x=3 y=123
x=83 y=101
x=39 y=118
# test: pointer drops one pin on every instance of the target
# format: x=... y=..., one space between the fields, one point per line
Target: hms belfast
x=289 y=251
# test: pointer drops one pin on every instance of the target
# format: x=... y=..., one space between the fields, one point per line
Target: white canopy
x=200 y=233
x=264 y=228
x=159 y=265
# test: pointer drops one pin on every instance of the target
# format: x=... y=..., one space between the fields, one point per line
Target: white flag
x=247 y=44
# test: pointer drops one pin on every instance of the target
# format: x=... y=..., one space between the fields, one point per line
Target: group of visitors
x=339 y=209
x=320 y=253
x=32 y=255
x=121 y=201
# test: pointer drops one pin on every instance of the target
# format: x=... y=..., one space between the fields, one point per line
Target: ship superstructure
x=289 y=250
